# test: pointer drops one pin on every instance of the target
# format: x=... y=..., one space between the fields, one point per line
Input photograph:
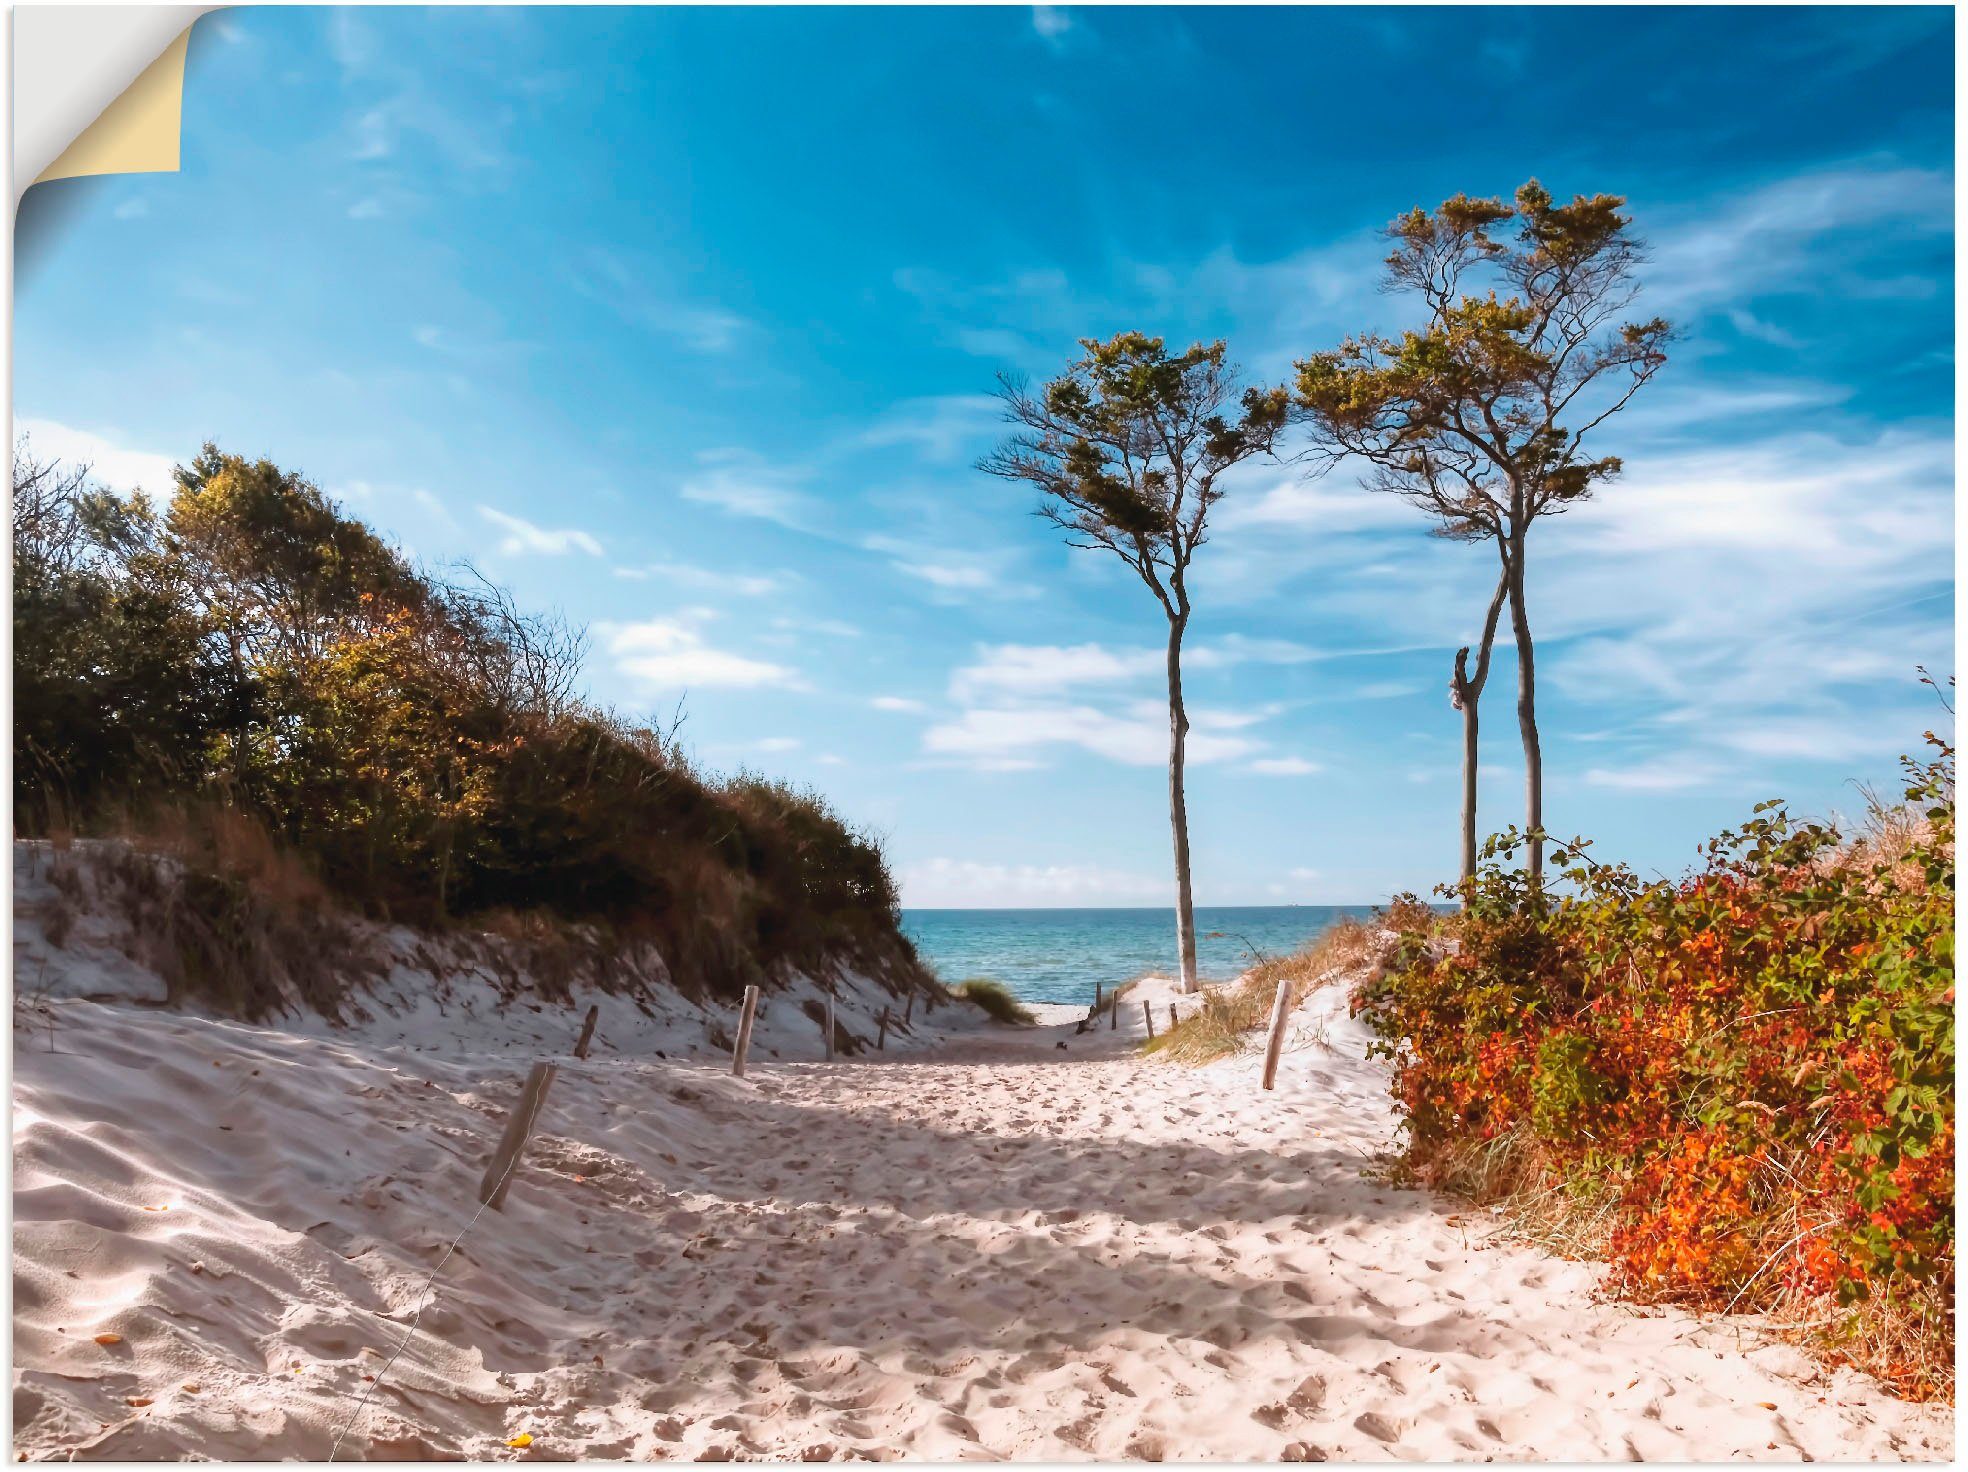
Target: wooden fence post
x=1280 y=1009
x=744 y=1031
x=881 y=1038
x=1171 y=1014
x=587 y=1031
x=1148 y=1016
x=1096 y=999
x=909 y=1010
x=519 y=1124
x=1114 y=1010
x=830 y=1027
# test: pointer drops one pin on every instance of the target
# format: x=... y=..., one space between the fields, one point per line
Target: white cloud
x=744 y=585
x=369 y=208
x=119 y=468
x=1051 y=22
x=940 y=429
x=961 y=884
x=1880 y=732
x=948 y=570
x=900 y=703
x=671 y=654
x=1044 y=669
x=523 y=537
x=1810 y=228
x=1285 y=766
x=1663 y=774
x=948 y=575
x=1329 y=505
x=777 y=743
x=634 y=288
x=743 y=485
x=1024 y=733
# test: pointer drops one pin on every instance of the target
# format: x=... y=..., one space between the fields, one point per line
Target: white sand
x=989 y=1247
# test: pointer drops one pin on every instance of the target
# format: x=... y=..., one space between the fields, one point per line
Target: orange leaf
x=525 y=1438
x=109 y=1339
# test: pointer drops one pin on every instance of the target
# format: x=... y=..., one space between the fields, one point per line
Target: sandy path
x=995 y=1249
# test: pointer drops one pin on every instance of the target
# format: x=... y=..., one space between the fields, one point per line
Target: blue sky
x=686 y=323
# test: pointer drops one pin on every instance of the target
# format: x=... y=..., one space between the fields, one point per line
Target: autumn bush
x=242 y=658
x=1738 y=1086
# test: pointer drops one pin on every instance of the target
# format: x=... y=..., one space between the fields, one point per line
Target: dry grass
x=1229 y=1017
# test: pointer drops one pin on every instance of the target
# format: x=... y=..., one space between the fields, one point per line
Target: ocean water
x=1058 y=955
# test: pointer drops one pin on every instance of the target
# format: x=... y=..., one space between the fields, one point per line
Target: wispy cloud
x=672 y=654
x=899 y=703
x=523 y=537
x=1051 y=21
x=635 y=289
x=951 y=428
x=742 y=484
x=1664 y=774
x=1810 y=232
x=1285 y=766
x=706 y=579
x=1000 y=734
x=952 y=572
x=941 y=882
x=1048 y=669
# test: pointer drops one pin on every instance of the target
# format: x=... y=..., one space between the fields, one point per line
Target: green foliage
x=996 y=1001
x=1477 y=415
x=254 y=651
x=1756 y=1061
x=1127 y=445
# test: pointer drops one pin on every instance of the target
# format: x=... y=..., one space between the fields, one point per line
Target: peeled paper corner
x=98 y=89
x=138 y=133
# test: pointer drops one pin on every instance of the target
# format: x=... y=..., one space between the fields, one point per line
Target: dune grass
x=1230 y=1018
x=996 y=1001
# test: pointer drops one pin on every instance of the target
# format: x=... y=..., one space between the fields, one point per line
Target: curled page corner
x=98 y=89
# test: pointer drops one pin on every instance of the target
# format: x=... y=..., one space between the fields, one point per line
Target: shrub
x=250 y=659
x=1743 y=1080
x=996 y=1000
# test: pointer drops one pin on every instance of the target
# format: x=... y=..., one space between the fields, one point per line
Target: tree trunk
x=1185 y=909
x=1466 y=693
x=1520 y=625
x=1469 y=749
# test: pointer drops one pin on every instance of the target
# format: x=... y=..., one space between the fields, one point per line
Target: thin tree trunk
x=1466 y=693
x=1185 y=910
x=1520 y=625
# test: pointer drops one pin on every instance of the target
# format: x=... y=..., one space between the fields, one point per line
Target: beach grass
x=1231 y=1016
x=996 y=1000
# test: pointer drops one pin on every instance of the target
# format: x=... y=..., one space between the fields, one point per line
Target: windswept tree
x=1127 y=448
x=1479 y=416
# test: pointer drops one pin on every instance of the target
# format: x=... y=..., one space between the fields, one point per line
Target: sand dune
x=985 y=1247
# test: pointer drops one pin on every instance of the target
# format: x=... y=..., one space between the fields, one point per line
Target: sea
x=1058 y=955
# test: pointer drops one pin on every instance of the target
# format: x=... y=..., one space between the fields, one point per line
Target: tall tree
x=1127 y=448
x=1479 y=415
